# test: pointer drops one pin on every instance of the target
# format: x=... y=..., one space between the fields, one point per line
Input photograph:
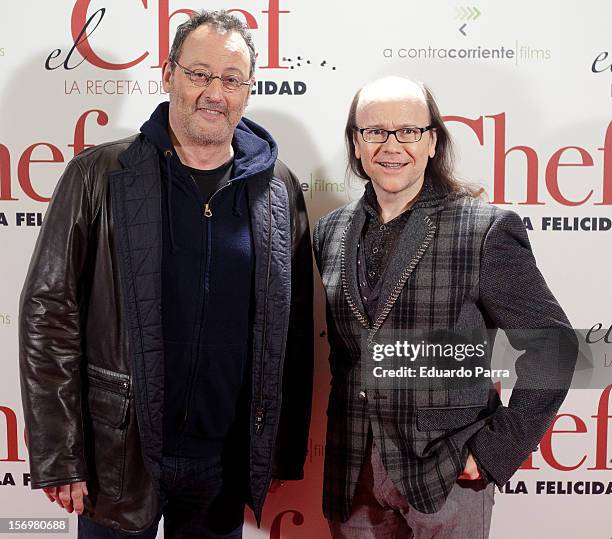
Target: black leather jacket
x=91 y=348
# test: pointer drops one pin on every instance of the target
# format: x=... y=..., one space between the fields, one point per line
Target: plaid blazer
x=459 y=263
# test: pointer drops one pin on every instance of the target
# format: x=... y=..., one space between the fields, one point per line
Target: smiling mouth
x=388 y=164
x=211 y=111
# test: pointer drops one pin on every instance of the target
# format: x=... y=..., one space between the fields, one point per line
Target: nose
x=392 y=144
x=214 y=91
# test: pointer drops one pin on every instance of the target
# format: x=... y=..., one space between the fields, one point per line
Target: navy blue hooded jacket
x=207 y=267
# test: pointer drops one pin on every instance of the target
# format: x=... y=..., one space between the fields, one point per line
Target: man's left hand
x=470 y=471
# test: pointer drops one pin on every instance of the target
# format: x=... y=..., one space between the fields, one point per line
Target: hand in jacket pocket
x=471 y=469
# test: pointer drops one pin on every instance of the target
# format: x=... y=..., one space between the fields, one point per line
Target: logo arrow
x=470 y=13
x=462 y=27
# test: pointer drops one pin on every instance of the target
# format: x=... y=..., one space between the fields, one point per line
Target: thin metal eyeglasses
x=405 y=134
x=202 y=78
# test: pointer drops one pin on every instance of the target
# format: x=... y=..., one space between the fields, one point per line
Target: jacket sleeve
x=515 y=298
x=293 y=430
x=50 y=337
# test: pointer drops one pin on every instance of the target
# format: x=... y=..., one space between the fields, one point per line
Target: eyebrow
x=197 y=65
x=380 y=126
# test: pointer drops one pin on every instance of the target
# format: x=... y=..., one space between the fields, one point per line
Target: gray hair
x=222 y=21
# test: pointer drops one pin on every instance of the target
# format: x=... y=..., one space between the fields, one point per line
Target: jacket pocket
x=108 y=402
x=449 y=418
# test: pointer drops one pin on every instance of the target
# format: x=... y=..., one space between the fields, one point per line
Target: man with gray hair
x=166 y=318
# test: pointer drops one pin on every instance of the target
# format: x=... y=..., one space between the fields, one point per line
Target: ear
x=356 y=144
x=167 y=76
x=248 y=97
x=432 y=142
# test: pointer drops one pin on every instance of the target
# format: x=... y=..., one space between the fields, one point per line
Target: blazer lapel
x=349 y=247
x=409 y=249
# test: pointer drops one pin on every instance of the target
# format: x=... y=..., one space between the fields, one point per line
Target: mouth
x=391 y=164
x=210 y=112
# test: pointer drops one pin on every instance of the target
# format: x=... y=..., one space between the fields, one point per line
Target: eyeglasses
x=202 y=78
x=403 y=135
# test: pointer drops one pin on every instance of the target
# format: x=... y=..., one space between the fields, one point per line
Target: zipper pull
x=260 y=414
x=207 y=210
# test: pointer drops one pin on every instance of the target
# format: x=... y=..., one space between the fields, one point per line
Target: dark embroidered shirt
x=375 y=247
x=378 y=237
x=378 y=241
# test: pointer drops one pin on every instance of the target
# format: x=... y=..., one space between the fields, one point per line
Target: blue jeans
x=198 y=500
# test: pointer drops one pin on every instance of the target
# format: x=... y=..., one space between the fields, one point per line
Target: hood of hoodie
x=255 y=151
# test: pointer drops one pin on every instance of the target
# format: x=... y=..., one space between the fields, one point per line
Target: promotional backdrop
x=526 y=88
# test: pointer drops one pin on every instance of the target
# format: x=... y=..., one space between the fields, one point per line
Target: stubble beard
x=193 y=128
x=207 y=136
x=197 y=131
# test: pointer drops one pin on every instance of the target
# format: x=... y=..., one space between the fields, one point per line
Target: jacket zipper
x=207 y=209
x=260 y=411
x=207 y=212
x=114 y=382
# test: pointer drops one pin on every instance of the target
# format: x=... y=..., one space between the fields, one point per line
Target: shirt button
x=372 y=273
x=363 y=396
x=383 y=227
x=365 y=299
x=375 y=250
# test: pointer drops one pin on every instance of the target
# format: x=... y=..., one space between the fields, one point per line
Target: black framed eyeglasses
x=405 y=134
x=203 y=78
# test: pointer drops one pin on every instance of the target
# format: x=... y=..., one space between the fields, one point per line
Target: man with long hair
x=421 y=254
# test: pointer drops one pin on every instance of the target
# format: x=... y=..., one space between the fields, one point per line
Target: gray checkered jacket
x=459 y=263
